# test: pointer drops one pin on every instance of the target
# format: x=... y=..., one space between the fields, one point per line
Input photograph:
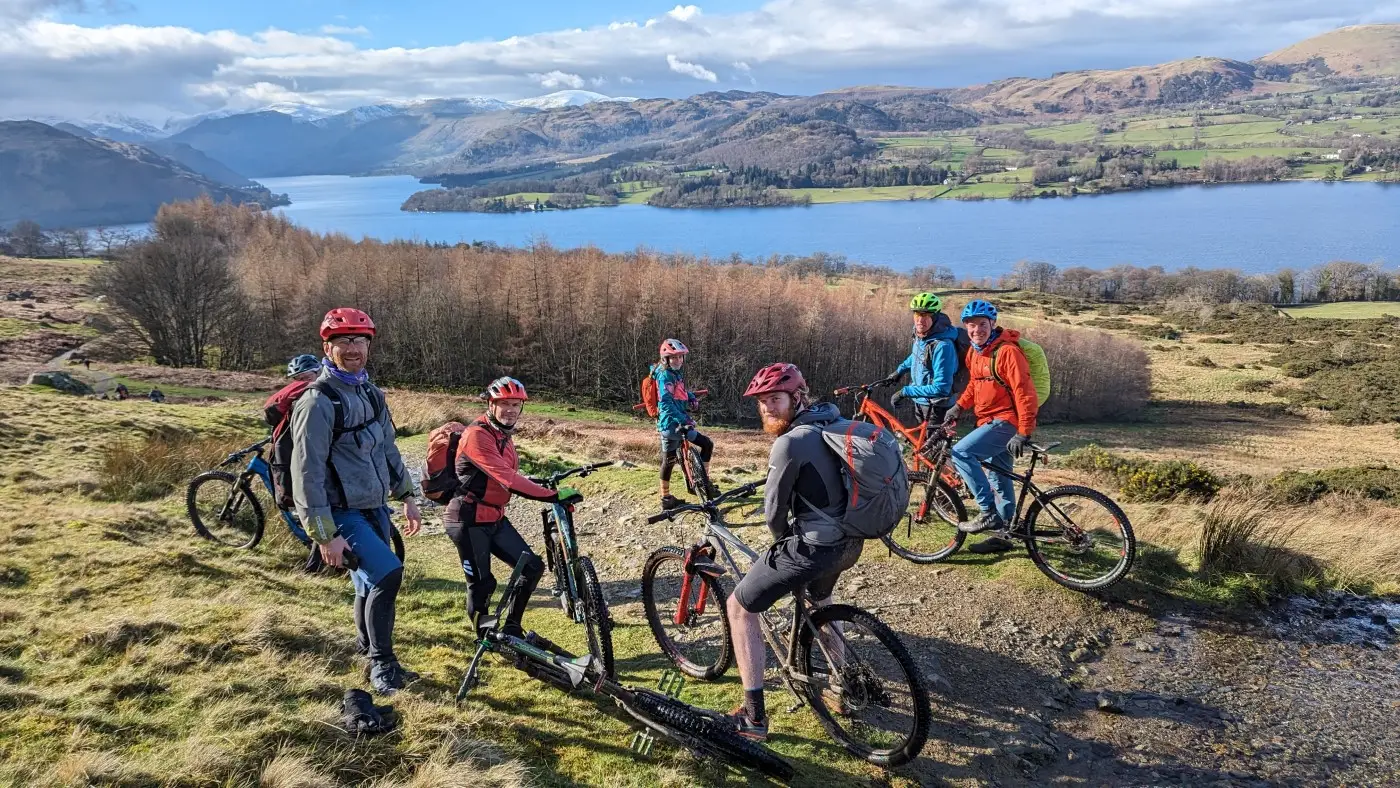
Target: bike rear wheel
x=873 y=700
x=699 y=477
x=596 y=619
x=223 y=509
x=706 y=735
x=1080 y=538
x=929 y=533
x=699 y=645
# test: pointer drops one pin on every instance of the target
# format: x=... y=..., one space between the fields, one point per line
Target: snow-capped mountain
x=303 y=112
x=111 y=125
x=566 y=98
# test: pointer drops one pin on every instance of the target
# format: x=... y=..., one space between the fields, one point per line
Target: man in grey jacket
x=345 y=467
x=803 y=500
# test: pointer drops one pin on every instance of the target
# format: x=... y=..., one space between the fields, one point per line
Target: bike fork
x=684 y=609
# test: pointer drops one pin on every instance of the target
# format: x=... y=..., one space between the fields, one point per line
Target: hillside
x=59 y=179
x=1076 y=92
x=1357 y=51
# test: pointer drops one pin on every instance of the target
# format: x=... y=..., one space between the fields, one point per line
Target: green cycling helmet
x=926 y=302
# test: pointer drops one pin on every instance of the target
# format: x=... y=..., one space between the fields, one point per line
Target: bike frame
x=257 y=466
x=720 y=541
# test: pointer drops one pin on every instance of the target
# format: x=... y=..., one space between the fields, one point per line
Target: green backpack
x=1039 y=368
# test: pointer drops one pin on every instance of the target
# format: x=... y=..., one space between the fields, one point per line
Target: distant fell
x=59 y=179
x=1356 y=51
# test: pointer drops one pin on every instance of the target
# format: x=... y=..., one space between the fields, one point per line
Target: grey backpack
x=872 y=468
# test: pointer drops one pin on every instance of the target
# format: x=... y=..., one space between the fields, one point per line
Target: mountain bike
x=1076 y=535
x=697 y=479
x=660 y=712
x=930 y=532
x=224 y=509
x=575 y=580
x=845 y=663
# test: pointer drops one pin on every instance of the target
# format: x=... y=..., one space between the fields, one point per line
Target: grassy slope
x=1359 y=310
x=132 y=651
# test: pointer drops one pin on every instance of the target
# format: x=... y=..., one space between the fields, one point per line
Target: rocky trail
x=1044 y=686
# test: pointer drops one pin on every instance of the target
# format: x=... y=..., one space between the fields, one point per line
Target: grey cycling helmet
x=303 y=363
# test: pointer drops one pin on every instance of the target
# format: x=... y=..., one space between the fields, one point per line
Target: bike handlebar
x=864 y=388
x=737 y=492
x=241 y=453
x=581 y=471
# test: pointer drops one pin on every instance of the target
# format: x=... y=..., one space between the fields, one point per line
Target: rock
x=60 y=381
x=1081 y=654
x=1379 y=620
x=1171 y=630
x=627 y=464
x=1051 y=703
x=1144 y=646
x=1108 y=704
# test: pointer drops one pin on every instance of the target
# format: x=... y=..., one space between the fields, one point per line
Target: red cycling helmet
x=673 y=347
x=343 y=321
x=506 y=388
x=776 y=377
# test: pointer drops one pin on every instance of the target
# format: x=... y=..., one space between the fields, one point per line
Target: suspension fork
x=692 y=575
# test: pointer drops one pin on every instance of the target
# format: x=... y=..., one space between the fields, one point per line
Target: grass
x=1348 y=310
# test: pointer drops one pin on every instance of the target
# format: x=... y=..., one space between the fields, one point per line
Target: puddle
x=1339 y=618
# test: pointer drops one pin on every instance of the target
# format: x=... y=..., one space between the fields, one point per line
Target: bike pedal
x=671 y=683
x=641 y=743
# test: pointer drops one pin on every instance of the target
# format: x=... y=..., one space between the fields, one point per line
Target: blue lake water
x=1252 y=227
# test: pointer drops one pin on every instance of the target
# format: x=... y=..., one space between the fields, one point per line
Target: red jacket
x=488 y=457
x=989 y=400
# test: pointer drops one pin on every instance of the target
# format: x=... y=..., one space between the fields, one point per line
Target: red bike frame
x=916 y=437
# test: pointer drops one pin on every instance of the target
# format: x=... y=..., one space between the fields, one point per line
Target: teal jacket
x=932 y=363
x=673 y=400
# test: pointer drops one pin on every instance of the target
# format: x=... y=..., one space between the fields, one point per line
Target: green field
x=1347 y=310
x=868 y=194
x=1193 y=158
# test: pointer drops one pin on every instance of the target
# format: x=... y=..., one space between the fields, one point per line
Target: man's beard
x=775 y=425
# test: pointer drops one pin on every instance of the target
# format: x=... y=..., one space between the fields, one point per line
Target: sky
x=156 y=58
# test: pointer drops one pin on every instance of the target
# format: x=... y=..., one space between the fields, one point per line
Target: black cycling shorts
x=791 y=564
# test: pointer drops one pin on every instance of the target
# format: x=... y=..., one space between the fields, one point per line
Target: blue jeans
x=988 y=442
x=370 y=534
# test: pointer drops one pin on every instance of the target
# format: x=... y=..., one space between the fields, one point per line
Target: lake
x=1252 y=227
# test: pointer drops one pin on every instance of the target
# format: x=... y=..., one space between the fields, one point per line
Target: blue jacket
x=673 y=400
x=931 y=374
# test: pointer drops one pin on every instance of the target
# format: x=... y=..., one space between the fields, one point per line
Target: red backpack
x=440 y=480
x=651 y=395
x=277 y=411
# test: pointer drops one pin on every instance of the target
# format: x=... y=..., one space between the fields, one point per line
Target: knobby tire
x=691 y=665
x=224 y=478
x=913 y=743
x=596 y=619
x=1034 y=547
x=707 y=735
x=932 y=492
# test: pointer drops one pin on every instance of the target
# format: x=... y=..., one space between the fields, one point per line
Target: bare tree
x=1037 y=276
x=176 y=291
x=61 y=243
x=28 y=238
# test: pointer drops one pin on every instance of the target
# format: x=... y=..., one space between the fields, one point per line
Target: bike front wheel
x=596 y=619
x=223 y=509
x=696 y=640
x=1080 y=538
x=929 y=532
x=699 y=477
x=863 y=685
x=705 y=735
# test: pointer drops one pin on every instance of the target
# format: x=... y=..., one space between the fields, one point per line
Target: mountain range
x=443 y=139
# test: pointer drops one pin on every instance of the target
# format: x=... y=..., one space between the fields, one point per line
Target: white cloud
x=684 y=13
x=690 y=69
x=68 y=68
x=343 y=30
x=558 y=79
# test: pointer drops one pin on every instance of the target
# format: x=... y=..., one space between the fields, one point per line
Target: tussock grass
x=142 y=469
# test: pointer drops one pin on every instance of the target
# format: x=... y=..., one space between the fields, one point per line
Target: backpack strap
x=338 y=428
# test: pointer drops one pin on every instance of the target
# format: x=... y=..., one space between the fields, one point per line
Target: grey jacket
x=360 y=470
x=801 y=464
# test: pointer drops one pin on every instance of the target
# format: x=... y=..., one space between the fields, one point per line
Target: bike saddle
x=1045 y=447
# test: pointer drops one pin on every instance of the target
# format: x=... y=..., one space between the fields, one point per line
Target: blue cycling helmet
x=979 y=308
x=303 y=363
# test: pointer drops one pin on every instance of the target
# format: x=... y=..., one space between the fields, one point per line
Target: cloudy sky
x=155 y=58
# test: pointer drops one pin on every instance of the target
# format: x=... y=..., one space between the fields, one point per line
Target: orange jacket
x=488 y=450
x=1015 y=402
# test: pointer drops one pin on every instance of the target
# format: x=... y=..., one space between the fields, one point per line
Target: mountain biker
x=476 y=522
x=1006 y=419
x=673 y=420
x=344 y=466
x=305 y=367
x=932 y=362
x=803 y=500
